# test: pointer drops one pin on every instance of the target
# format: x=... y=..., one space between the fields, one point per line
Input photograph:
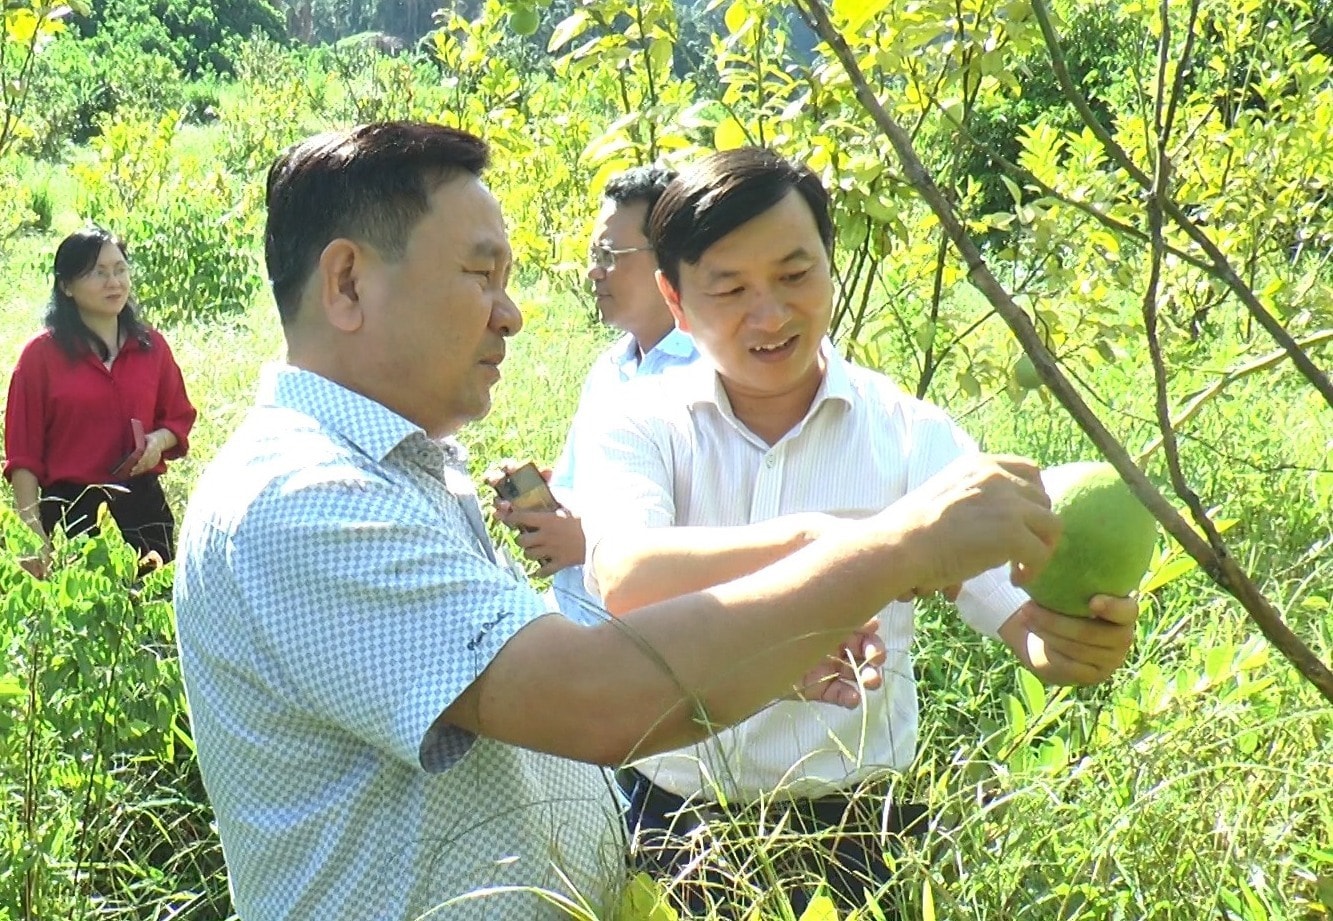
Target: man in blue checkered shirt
x=388 y=722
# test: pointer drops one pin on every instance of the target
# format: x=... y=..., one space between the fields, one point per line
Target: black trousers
x=837 y=840
x=138 y=506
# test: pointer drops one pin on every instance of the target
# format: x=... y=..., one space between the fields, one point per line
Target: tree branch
x=1222 y=268
x=1215 y=560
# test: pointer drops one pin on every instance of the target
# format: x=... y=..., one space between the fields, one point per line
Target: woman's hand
x=156 y=443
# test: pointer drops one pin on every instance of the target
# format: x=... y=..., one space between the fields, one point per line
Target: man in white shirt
x=623 y=273
x=389 y=723
x=727 y=465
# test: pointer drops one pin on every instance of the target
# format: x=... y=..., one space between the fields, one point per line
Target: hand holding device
x=525 y=489
x=121 y=471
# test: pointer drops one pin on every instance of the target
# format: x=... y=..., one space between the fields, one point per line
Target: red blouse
x=70 y=420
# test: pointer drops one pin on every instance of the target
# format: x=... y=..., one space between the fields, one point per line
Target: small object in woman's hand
x=122 y=470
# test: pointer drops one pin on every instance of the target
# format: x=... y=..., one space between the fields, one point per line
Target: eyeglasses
x=102 y=276
x=602 y=256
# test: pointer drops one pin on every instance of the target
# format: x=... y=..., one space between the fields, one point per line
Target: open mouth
x=775 y=351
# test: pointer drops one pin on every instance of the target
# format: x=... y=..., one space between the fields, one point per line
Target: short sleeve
x=25 y=413
x=382 y=613
x=625 y=477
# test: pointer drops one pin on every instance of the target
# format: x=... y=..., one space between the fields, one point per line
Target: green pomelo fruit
x=1025 y=374
x=1107 y=542
x=523 y=21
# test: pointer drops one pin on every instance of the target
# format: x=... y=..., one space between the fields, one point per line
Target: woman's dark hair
x=720 y=193
x=76 y=256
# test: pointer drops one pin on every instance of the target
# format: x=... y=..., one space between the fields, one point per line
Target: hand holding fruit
x=1106 y=543
x=1060 y=649
x=978 y=513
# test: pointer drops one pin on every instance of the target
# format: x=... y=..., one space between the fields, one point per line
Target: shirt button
x=770 y=460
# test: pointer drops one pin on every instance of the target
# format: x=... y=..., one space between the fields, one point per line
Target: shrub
x=189 y=232
x=82 y=80
x=41 y=204
x=197 y=37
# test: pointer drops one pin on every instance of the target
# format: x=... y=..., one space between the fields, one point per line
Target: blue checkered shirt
x=335 y=592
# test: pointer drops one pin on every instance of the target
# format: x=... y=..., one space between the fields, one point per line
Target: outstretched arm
x=635 y=567
x=670 y=674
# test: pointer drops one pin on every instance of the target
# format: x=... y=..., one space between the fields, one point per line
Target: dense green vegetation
x=1197 y=784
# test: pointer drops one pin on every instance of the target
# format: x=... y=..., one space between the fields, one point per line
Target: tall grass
x=1197 y=783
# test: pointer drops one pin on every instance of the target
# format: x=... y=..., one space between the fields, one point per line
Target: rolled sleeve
x=990 y=599
x=624 y=482
x=175 y=412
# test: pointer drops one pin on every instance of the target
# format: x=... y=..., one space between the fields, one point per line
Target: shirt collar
x=675 y=343
x=370 y=427
x=701 y=384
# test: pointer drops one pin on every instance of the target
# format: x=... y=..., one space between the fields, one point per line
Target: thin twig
x=1221 y=567
x=1222 y=268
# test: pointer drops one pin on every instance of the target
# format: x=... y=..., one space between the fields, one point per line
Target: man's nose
x=768 y=311
x=506 y=318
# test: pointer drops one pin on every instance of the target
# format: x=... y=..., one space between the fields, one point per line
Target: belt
x=865 y=810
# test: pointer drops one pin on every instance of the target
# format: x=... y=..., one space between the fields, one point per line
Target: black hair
x=75 y=257
x=639 y=184
x=720 y=193
x=371 y=183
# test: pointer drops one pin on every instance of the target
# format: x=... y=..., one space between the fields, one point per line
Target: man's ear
x=340 y=274
x=672 y=298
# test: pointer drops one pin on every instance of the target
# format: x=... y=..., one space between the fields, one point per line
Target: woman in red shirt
x=96 y=405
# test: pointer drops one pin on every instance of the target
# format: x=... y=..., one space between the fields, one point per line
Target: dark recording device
x=525 y=489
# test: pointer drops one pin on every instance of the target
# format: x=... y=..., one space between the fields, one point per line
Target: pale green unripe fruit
x=523 y=21
x=1025 y=374
x=1107 y=541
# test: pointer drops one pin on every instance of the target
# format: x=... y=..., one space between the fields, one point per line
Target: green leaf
x=820 y=908
x=1218 y=664
x=659 y=52
x=20 y=26
x=730 y=134
x=10 y=687
x=1018 y=719
x=1167 y=573
x=925 y=335
x=1034 y=693
x=569 y=28
x=858 y=12
x=736 y=16
x=644 y=900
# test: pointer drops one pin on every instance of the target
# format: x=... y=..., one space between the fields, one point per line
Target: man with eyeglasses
x=622 y=271
x=390 y=723
x=737 y=462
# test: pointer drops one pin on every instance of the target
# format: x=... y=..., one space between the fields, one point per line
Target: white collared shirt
x=613 y=369
x=675 y=454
